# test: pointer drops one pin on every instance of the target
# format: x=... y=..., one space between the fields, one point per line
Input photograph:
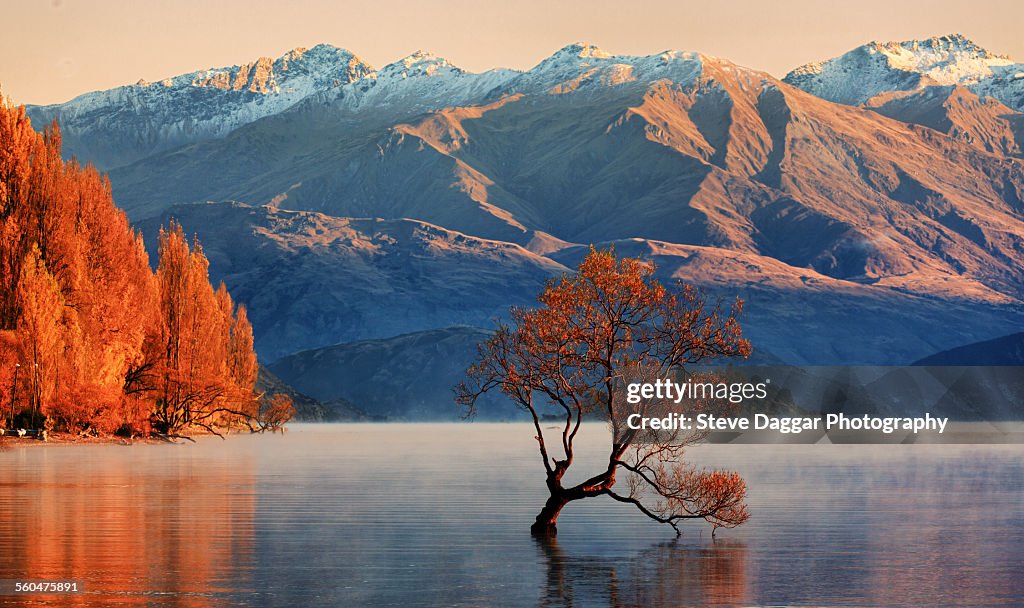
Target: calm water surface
x=409 y=515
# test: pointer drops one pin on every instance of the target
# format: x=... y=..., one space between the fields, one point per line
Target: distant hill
x=312 y=280
x=1005 y=351
x=408 y=377
x=307 y=409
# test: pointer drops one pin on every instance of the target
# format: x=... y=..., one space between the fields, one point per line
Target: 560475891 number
x=24 y=586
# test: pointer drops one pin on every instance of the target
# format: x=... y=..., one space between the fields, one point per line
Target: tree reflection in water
x=131 y=528
x=666 y=574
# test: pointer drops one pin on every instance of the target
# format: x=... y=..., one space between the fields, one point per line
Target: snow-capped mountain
x=116 y=127
x=419 y=82
x=889 y=231
x=581 y=65
x=881 y=67
x=689 y=149
x=120 y=126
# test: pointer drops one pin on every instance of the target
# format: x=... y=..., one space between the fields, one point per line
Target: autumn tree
x=203 y=359
x=92 y=340
x=10 y=349
x=594 y=332
x=18 y=143
x=63 y=242
x=42 y=308
x=274 y=411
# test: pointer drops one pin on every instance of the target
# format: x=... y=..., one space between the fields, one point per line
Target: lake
x=438 y=514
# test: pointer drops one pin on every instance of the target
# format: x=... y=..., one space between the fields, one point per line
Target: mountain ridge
x=180 y=110
x=152 y=117
x=149 y=117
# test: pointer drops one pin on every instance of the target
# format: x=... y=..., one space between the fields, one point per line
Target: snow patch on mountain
x=582 y=65
x=879 y=67
x=115 y=127
x=420 y=82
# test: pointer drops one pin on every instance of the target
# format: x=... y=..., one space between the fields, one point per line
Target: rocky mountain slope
x=312 y=280
x=983 y=123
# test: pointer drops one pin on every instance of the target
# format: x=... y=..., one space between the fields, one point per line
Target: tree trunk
x=544 y=525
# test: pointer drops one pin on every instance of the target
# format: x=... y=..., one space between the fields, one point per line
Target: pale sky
x=54 y=50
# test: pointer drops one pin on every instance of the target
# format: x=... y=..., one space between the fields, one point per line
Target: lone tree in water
x=595 y=332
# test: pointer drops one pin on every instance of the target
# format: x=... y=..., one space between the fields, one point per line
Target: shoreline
x=68 y=439
x=1005 y=432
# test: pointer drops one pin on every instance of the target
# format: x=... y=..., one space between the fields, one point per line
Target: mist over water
x=439 y=514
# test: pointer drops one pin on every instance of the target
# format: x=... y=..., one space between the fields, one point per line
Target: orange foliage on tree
x=273 y=414
x=91 y=339
x=204 y=363
x=595 y=332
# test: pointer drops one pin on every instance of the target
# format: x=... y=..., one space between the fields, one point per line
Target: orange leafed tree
x=40 y=327
x=610 y=324
x=92 y=340
x=76 y=291
x=203 y=359
x=273 y=413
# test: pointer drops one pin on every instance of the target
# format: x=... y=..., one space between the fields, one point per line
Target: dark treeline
x=91 y=339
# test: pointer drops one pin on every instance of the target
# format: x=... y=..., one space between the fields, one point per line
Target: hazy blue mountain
x=407 y=377
x=1003 y=351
